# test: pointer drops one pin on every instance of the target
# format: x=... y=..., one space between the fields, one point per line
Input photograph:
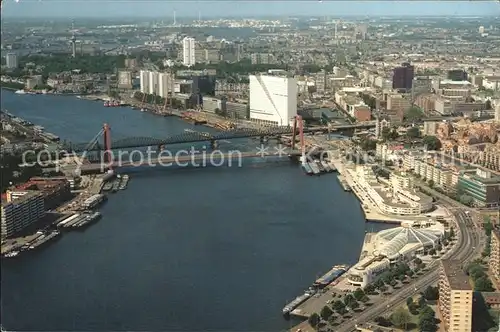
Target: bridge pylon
x=108 y=155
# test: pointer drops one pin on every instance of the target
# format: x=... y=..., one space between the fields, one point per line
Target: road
x=466 y=248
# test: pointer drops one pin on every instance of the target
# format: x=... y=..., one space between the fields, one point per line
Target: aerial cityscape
x=291 y=168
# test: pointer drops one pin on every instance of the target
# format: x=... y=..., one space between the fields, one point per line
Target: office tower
x=455 y=297
x=188 y=51
x=273 y=98
x=402 y=78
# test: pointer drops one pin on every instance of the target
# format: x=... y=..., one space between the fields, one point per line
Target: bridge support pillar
x=213 y=144
x=108 y=155
x=294 y=132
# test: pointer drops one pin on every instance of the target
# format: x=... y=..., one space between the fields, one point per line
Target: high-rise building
x=188 y=51
x=457 y=75
x=20 y=210
x=455 y=297
x=497 y=113
x=494 y=262
x=124 y=79
x=166 y=84
x=11 y=60
x=273 y=98
x=402 y=78
x=144 y=78
x=154 y=82
x=481 y=30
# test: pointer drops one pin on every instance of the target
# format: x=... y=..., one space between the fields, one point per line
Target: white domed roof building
x=392 y=245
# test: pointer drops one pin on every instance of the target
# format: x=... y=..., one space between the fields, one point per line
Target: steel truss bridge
x=187 y=137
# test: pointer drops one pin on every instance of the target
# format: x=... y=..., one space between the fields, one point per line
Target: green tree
x=466 y=200
x=431 y=143
x=488 y=104
x=382 y=321
x=326 y=312
x=426 y=320
x=400 y=318
x=413 y=114
x=348 y=299
x=367 y=144
x=431 y=183
x=369 y=289
x=431 y=293
x=409 y=301
x=358 y=294
x=338 y=305
x=314 y=320
x=413 y=132
x=483 y=284
x=354 y=305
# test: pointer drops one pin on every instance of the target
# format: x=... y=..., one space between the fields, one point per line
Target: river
x=192 y=249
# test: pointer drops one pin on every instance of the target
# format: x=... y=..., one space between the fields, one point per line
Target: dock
x=344 y=183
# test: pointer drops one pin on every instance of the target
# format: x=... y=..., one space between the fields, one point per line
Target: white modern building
x=273 y=98
x=166 y=84
x=11 y=60
x=391 y=246
x=188 y=51
x=398 y=199
x=144 y=78
x=154 y=82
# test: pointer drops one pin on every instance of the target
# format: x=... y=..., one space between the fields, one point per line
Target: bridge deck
x=183 y=160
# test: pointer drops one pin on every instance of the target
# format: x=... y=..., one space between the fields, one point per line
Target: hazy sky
x=164 y=8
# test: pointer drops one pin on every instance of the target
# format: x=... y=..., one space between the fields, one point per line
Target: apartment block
x=397 y=103
x=21 y=210
x=494 y=262
x=455 y=297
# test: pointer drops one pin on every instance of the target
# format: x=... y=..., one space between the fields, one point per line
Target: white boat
x=20 y=92
x=12 y=254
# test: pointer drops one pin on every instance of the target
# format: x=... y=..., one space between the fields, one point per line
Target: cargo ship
x=116 y=185
x=314 y=168
x=107 y=186
x=87 y=220
x=11 y=254
x=123 y=182
x=331 y=276
x=307 y=169
x=298 y=301
x=43 y=239
x=93 y=201
x=326 y=166
x=320 y=166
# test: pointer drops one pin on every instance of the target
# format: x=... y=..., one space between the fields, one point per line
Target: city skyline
x=121 y=8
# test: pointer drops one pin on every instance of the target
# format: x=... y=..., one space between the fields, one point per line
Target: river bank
x=237 y=229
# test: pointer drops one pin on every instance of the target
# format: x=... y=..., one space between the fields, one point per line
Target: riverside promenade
x=371 y=211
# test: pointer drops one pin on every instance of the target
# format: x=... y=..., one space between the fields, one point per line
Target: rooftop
x=396 y=239
x=456 y=276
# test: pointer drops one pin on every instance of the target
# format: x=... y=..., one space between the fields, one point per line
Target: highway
x=466 y=248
